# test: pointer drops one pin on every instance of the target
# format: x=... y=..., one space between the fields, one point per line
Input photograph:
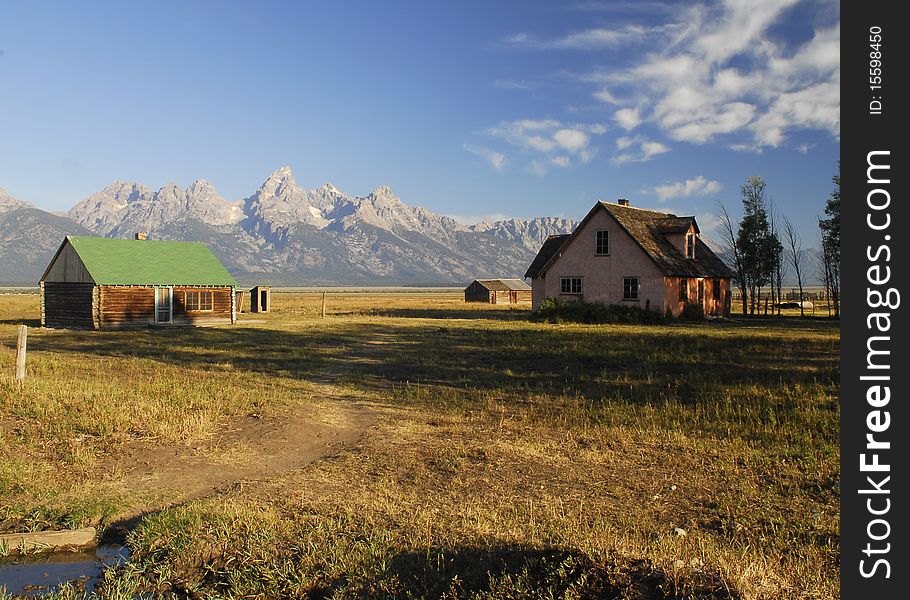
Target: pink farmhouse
x=620 y=254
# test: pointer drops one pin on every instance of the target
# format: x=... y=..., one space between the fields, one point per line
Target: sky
x=471 y=109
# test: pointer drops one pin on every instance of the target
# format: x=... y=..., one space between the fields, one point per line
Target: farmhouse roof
x=648 y=228
x=112 y=261
x=550 y=248
x=501 y=285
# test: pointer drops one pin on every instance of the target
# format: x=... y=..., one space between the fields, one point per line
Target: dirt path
x=252 y=447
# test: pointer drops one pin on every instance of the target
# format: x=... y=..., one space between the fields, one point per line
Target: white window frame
x=597 y=233
x=690 y=236
x=571 y=280
x=186 y=301
x=637 y=288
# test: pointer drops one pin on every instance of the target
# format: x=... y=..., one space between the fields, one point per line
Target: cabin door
x=164 y=305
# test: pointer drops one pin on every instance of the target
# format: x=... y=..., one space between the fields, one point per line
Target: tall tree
x=776 y=255
x=796 y=258
x=760 y=249
x=830 y=250
x=732 y=250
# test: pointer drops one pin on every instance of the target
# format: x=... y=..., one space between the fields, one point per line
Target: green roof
x=150 y=262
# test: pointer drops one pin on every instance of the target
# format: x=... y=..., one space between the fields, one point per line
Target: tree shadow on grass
x=633 y=364
x=507 y=571
x=27 y=322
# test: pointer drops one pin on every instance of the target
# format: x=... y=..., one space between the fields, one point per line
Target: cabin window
x=690 y=245
x=199 y=301
x=570 y=285
x=683 y=289
x=603 y=242
x=630 y=288
x=701 y=290
x=715 y=289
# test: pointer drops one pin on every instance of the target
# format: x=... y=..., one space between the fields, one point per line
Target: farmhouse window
x=570 y=285
x=683 y=289
x=630 y=288
x=690 y=245
x=603 y=242
x=715 y=288
x=199 y=301
x=701 y=290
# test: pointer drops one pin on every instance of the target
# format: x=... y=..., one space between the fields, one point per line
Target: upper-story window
x=603 y=242
x=690 y=245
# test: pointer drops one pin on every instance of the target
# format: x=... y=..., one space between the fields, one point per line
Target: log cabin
x=498 y=291
x=105 y=283
x=620 y=254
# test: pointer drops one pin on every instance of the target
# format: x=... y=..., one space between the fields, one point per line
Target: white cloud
x=708 y=223
x=651 y=149
x=647 y=150
x=573 y=140
x=715 y=71
x=586 y=39
x=496 y=159
x=628 y=118
x=605 y=95
x=551 y=142
x=699 y=185
x=512 y=84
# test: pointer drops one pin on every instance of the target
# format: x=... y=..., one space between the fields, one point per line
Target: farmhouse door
x=164 y=305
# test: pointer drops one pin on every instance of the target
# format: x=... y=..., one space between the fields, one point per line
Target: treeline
x=764 y=245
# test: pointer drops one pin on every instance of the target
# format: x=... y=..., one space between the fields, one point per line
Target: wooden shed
x=104 y=283
x=261 y=299
x=498 y=291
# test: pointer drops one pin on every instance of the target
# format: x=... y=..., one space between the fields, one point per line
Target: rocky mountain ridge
x=286 y=234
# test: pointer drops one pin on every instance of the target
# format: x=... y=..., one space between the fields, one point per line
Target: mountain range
x=284 y=234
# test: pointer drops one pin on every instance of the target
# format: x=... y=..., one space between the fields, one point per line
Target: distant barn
x=498 y=291
x=104 y=283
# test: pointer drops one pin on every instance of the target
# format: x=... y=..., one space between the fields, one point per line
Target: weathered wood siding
x=67 y=267
x=477 y=293
x=66 y=304
x=520 y=296
x=127 y=306
x=134 y=306
x=222 y=306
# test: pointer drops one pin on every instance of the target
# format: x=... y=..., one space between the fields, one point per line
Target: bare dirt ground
x=249 y=449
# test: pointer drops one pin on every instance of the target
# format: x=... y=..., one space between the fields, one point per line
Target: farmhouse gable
x=622 y=254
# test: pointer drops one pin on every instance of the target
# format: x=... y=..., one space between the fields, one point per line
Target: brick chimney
x=141 y=235
x=622 y=202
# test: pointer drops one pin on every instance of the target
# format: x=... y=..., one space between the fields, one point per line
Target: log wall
x=127 y=306
x=222 y=306
x=71 y=305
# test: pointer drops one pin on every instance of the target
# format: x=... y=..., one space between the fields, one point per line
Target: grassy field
x=505 y=459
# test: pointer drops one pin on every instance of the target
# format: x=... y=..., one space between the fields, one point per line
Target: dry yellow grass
x=508 y=459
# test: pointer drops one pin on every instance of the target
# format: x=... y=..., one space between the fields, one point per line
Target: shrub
x=578 y=311
x=692 y=312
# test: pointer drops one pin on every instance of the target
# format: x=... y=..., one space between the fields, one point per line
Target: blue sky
x=471 y=109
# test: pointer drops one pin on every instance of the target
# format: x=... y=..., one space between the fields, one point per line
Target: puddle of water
x=37 y=575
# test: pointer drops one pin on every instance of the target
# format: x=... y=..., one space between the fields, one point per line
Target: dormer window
x=690 y=245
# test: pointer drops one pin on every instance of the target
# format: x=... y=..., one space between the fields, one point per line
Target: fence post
x=21 y=344
x=323 y=305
